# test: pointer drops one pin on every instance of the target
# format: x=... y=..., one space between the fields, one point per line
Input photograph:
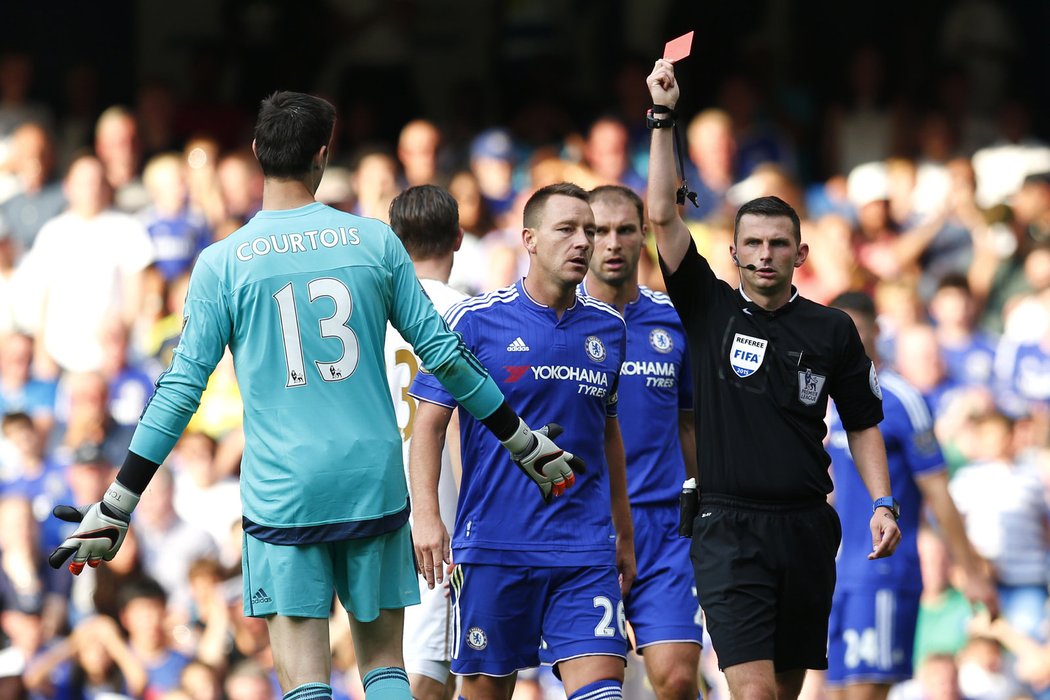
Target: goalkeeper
x=527 y=571
x=301 y=296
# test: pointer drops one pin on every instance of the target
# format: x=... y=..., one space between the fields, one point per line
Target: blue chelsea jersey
x=550 y=370
x=911 y=451
x=655 y=384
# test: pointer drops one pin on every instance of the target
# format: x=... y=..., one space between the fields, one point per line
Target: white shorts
x=428 y=634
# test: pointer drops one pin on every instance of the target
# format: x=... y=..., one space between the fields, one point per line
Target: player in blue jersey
x=876 y=604
x=656 y=390
x=530 y=575
x=301 y=295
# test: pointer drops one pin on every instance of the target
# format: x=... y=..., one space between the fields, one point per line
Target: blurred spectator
x=944 y=612
x=97 y=591
x=38 y=197
x=981 y=672
x=1005 y=511
x=130 y=385
x=374 y=182
x=898 y=304
x=33 y=475
x=712 y=156
x=117 y=147
x=918 y=359
x=417 y=150
x=155 y=116
x=84 y=419
x=969 y=354
x=92 y=662
x=1003 y=166
x=143 y=610
x=201 y=681
x=1032 y=657
x=210 y=624
x=936 y=143
x=10 y=299
x=1022 y=372
x=492 y=161
x=861 y=128
x=758 y=140
x=87 y=263
x=25 y=640
x=868 y=190
x=26 y=581
x=19 y=389
x=178 y=233
x=1031 y=208
x=16 y=108
x=201 y=156
x=241 y=183
x=169 y=543
x=204 y=495
x=606 y=153
x=249 y=681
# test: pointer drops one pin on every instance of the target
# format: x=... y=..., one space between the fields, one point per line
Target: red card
x=679 y=48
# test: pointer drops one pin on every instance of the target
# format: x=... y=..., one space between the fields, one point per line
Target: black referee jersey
x=761 y=385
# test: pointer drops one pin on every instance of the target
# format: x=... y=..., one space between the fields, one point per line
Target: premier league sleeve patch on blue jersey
x=746 y=355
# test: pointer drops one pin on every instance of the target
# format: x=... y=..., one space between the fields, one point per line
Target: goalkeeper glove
x=101 y=530
x=535 y=453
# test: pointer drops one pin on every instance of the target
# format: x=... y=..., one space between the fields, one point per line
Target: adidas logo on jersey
x=260 y=597
x=518 y=345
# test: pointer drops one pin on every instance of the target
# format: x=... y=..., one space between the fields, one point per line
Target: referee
x=765 y=362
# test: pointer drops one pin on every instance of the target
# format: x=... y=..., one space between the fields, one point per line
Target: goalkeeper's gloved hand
x=101 y=530
x=542 y=461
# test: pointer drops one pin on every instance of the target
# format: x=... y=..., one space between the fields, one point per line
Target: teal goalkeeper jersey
x=302 y=298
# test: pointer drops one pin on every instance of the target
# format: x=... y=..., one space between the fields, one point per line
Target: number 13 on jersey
x=333 y=326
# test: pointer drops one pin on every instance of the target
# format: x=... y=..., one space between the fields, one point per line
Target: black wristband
x=136 y=473
x=667 y=123
x=664 y=109
x=502 y=422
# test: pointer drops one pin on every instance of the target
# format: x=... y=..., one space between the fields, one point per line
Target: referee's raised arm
x=672 y=237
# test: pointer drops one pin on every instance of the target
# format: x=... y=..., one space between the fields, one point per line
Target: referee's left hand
x=885 y=534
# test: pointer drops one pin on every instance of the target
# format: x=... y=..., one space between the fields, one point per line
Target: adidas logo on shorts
x=260 y=597
x=518 y=345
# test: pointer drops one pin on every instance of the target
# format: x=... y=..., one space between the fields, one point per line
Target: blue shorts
x=368 y=574
x=501 y=615
x=871 y=636
x=661 y=605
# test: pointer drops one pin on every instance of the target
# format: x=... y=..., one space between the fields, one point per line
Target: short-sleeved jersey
x=655 y=384
x=911 y=451
x=766 y=379
x=972 y=362
x=402 y=364
x=551 y=370
x=302 y=298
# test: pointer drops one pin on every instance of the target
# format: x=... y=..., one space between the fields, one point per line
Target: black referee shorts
x=765 y=575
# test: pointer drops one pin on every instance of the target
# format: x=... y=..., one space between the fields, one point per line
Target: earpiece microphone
x=736 y=261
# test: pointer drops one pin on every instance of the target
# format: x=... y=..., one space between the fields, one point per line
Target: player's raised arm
x=672 y=237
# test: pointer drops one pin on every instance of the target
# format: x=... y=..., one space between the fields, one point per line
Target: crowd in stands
x=943 y=216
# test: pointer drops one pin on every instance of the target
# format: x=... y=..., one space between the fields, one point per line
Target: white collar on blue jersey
x=521 y=285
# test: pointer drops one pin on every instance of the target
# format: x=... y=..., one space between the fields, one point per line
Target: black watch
x=888 y=502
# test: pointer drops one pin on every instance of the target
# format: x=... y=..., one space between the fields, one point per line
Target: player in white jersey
x=426 y=219
x=301 y=295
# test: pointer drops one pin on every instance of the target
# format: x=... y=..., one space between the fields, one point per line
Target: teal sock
x=387 y=683
x=310 y=691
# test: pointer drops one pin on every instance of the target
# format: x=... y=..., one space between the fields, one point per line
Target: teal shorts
x=368 y=575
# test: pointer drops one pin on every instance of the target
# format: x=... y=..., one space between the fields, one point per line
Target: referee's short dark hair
x=769 y=206
x=623 y=193
x=539 y=198
x=858 y=302
x=426 y=219
x=290 y=129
